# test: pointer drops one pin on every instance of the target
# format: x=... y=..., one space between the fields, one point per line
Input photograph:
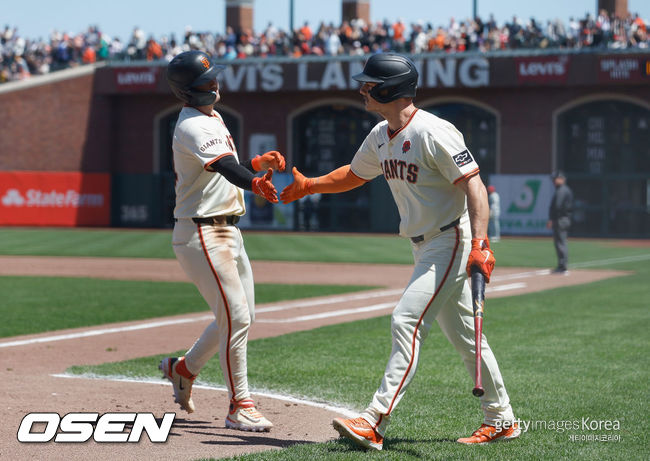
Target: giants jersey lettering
x=422 y=163
x=199 y=141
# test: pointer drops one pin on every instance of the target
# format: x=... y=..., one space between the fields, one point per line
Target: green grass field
x=566 y=354
x=38 y=304
x=362 y=248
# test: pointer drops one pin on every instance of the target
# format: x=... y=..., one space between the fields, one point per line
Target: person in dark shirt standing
x=559 y=219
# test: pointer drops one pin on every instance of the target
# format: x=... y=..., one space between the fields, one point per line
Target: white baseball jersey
x=200 y=140
x=421 y=162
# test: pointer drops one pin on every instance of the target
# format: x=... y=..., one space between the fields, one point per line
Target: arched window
x=606 y=136
x=604 y=147
x=323 y=138
x=479 y=128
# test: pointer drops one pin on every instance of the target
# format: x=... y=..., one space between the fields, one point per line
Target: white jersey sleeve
x=366 y=163
x=211 y=145
x=450 y=154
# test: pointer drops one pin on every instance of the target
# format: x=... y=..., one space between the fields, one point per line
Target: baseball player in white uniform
x=208 y=245
x=443 y=208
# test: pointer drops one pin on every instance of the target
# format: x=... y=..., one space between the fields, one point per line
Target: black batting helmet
x=395 y=75
x=187 y=71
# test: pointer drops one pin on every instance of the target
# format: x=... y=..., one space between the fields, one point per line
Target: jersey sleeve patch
x=463 y=158
x=450 y=153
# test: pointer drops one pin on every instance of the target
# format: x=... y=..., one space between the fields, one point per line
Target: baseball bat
x=478 y=300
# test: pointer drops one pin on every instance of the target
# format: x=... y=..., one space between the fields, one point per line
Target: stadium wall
x=116 y=119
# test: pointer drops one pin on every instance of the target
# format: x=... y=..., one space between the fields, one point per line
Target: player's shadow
x=244 y=438
x=395 y=445
x=192 y=425
x=419 y=441
x=212 y=429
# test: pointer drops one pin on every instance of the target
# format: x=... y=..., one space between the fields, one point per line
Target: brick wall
x=68 y=125
x=46 y=127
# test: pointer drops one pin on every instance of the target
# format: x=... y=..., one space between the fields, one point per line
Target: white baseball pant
x=214 y=258
x=439 y=289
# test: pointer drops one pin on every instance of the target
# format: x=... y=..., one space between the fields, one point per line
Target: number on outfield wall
x=134 y=213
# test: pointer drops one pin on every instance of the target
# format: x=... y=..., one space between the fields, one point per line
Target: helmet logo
x=406 y=146
x=205 y=62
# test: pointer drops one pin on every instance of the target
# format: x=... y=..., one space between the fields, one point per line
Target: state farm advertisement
x=34 y=198
x=542 y=69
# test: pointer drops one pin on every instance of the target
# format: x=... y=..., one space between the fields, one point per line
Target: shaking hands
x=263 y=186
x=272 y=160
x=298 y=188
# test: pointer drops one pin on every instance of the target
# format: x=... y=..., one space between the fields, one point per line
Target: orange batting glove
x=300 y=187
x=271 y=159
x=481 y=257
x=265 y=188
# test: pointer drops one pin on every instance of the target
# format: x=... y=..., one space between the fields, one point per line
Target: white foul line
x=374 y=307
x=286 y=306
x=304 y=318
x=329 y=300
x=511 y=286
x=323 y=315
x=622 y=259
x=521 y=275
x=104 y=331
x=144 y=326
x=285 y=398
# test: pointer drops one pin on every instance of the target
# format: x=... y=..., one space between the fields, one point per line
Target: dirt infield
x=30 y=363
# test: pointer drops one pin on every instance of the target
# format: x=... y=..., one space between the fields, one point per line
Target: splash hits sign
x=35 y=198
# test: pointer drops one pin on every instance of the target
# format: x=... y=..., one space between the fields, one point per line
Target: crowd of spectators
x=22 y=57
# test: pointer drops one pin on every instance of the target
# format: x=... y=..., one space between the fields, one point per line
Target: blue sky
x=37 y=18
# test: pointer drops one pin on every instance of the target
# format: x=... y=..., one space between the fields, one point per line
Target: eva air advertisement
x=525 y=200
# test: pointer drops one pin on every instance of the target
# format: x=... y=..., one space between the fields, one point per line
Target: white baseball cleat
x=182 y=385
x=243 y=416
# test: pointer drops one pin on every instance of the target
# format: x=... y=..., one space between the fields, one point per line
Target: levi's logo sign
x=135 y=78
x=542 y=69
x=463 y=158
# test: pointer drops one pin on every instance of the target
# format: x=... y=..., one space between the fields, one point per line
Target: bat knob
x=478 y=391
